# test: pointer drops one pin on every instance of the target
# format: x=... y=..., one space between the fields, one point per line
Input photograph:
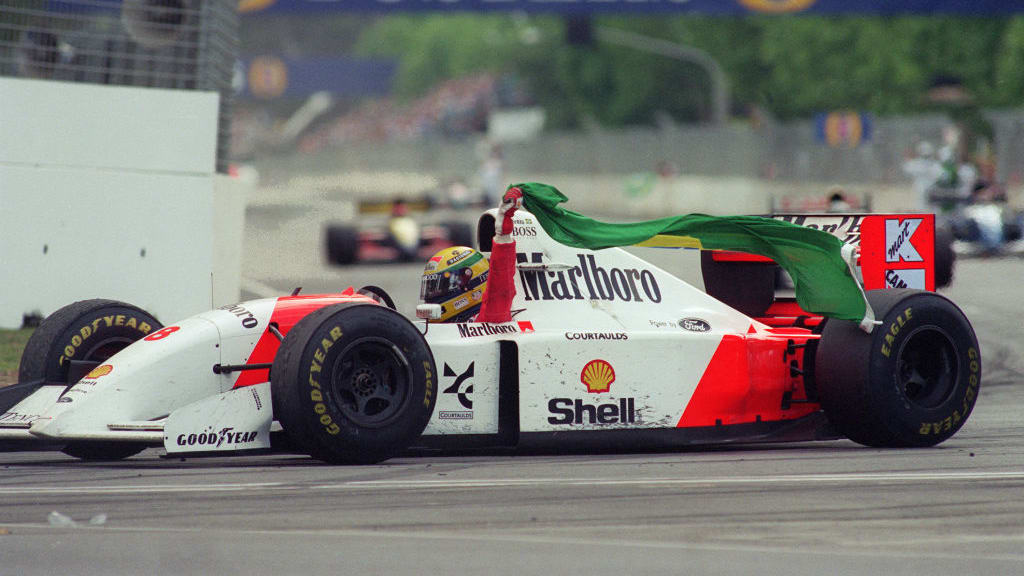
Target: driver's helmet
x=455 y=278
x=399 y=209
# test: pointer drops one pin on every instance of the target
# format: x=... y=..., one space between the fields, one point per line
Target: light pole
x=719 y=84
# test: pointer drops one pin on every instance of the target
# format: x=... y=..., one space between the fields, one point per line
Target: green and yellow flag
x=818 y=262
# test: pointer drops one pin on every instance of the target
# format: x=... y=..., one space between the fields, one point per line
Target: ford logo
x=694 y=325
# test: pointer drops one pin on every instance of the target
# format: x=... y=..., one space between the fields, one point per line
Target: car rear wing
x=896 y=250
x=419 y=203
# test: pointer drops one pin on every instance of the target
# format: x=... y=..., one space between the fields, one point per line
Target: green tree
x=438 y=47
x=1008 y=88
x=791 y=66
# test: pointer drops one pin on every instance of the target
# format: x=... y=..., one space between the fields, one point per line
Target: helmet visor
x=434 y=287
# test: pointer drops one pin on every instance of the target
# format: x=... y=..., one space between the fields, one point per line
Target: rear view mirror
x=428 y=311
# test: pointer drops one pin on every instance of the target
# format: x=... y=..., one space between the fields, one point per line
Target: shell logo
x=777 y=6
x=598 y=376
x=101 y=370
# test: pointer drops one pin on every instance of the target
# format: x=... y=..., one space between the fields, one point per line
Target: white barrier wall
x=110 y=192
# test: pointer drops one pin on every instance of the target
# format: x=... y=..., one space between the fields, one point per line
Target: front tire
x=912 y=382
x=75 y=339
x=342 y=244
x=354 y=383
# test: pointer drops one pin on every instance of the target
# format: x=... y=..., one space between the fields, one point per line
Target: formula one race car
x=401 y=239
x=982 y=224
x=605 y=351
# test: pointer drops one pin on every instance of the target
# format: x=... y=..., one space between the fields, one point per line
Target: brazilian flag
x=819 y=263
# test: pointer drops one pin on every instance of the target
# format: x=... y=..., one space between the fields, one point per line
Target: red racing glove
x=510 y=202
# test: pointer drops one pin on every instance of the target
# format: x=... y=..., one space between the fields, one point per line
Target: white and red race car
x=605 y=351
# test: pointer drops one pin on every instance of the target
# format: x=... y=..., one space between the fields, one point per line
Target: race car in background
x=605 y=351
x=983 y=223
x=401 y=239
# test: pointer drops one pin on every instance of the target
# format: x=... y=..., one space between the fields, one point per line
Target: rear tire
x=945 y=257
x=912 y=382
x=342 y=244
x=354 y=383
x=89 y=331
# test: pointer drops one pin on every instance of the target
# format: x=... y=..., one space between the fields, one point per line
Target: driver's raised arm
x=500 y=290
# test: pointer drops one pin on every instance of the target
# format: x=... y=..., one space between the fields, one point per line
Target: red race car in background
x=401 y=238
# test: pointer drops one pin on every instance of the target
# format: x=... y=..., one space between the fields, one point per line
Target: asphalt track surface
x=808 y=508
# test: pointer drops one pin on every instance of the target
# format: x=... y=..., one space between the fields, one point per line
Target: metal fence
x=789 y=152
x=171 y=44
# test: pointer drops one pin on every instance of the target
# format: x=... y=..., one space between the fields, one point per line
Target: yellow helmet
x=455 y=278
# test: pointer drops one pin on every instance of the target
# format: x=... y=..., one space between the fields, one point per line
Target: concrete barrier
x=110 y=192
x=623 y=196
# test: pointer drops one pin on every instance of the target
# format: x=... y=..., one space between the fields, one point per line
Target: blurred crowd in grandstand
x=453 y=109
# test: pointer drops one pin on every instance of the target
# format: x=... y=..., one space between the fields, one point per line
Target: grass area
x=12 y=342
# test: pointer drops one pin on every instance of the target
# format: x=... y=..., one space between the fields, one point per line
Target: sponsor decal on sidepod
x=572 y=411
x=462 y=394
x=596 y=336
x=485 y=329
x=598 y=376
x=694 y=325
x=588 y=281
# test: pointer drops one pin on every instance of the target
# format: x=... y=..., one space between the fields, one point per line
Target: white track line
x=855 y=478
x=143 y=489
x=451 y=484
x=504 y=537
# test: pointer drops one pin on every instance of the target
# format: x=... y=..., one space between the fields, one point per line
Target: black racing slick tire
x=342 y=244
x=912 y=382
x=353 y=383
x=88 y=331
x=75 y=339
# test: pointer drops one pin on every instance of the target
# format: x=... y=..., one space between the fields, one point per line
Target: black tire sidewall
x=945 y=257
x=342 y=244
x=304 y=399
x=72 y=332
x=855 y=373
x=910 y=423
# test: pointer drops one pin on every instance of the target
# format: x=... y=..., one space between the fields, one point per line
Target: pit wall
x=110 y=192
